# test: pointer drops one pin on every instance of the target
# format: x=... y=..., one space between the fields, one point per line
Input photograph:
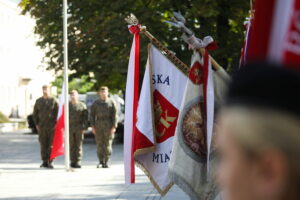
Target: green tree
x=99 y=40
x=82 y=85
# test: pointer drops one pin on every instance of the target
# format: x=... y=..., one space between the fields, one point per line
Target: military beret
x=266 y=85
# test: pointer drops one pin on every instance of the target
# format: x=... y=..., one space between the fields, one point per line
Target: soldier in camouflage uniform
x=44 y=116
x=104 y=124
x=78 y=123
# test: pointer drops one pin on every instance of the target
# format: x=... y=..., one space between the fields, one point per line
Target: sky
x=14 y=1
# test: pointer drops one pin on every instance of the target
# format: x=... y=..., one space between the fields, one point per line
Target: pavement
x=22 y=179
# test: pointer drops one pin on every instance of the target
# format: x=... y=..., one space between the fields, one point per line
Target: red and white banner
x=157 y=115
x=275 y=35
x=58 y=139
x=131 y=103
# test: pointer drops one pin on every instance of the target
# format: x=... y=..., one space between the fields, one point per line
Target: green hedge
x=3 y=118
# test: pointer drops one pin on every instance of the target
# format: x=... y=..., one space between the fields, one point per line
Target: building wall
x=22 y=73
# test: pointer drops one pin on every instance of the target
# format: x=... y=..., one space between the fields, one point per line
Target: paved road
x=22 y=179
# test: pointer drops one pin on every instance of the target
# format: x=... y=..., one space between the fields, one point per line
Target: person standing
x=78 y=123
x=104 y=124
x=44 y=117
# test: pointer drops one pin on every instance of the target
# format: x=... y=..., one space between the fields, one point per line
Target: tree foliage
x=99 y=40
x=82 y=85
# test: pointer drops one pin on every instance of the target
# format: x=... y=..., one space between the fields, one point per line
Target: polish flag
x=131 y=102
x=275 y=35
x=58 y=140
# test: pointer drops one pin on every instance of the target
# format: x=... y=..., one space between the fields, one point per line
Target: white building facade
x=22 y=73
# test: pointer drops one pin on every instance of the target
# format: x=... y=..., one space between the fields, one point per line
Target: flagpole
x=66 y=88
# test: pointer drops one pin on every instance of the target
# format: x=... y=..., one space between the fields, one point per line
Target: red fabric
x=166 y=119
x=261 y=30
x=58 y=140
x=141 y=141
x=205 y=79
x=135 y=30
x=212 y=46
x=196 y=73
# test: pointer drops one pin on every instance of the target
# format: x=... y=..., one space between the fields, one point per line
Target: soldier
x=104 y=124
x=44 y=116
x=78 y=123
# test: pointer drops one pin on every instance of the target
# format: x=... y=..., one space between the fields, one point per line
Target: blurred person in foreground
x=44 y=116
x=104 y=124
x=259 y=135
x=78 y=123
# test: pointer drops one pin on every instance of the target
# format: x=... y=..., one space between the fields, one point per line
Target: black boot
x=105 y=165
x=44 y=164
x=76 y=165
x=50 y=165
x=101 y=163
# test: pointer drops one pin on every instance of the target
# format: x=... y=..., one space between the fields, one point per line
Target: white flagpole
x=66 y=103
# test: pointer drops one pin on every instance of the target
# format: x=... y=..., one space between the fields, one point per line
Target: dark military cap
x=266 y=85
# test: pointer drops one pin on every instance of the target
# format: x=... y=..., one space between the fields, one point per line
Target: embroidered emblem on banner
x=193 y=129
x=192 y=126
x=166 y=116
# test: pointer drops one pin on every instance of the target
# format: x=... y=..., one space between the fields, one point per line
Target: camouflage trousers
x=76 y=139
x=46 y=139
x=104 y=140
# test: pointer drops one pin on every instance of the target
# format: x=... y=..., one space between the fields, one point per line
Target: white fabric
x=210 y=102
x=207 y=40
x=279 y=29
x=158 y=171
x=197 y=43
x=177 y=80
x=128 y=124
x=221 y=82
x=143 y=119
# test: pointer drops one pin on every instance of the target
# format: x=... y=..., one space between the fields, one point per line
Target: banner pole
x=66 y=88
x=170 y=55
x=132 y=20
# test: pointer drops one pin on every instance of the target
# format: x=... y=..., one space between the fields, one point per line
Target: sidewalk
x=22 y=179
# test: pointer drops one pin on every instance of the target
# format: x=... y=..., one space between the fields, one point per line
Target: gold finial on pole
x=132 y=20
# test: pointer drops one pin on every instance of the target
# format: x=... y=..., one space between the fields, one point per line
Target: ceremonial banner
x=192 y=164
x=58 y=139
x=158 y=110
x=275 y=35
